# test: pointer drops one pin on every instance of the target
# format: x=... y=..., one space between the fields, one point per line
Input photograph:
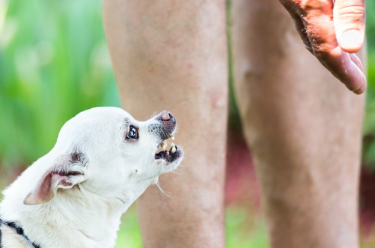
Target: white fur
x=115 y=172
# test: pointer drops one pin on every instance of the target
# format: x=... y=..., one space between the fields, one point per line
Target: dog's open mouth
x=170 y=154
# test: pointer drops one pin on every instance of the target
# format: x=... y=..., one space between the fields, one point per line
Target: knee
x=264 y=33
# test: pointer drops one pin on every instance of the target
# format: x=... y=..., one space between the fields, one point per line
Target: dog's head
x=109 y=153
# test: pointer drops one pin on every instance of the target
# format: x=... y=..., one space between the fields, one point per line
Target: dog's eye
x=133 y=133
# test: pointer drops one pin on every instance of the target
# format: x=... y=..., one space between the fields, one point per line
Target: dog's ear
x=65 y=174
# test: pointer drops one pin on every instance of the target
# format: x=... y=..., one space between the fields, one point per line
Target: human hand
x=333 y=32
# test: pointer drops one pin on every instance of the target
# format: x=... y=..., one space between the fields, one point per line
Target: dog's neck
x=74 y=218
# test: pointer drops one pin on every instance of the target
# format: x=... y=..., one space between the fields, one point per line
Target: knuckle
x=315 y=5
x=353 y=13
x=345 y=68
x=321 y=46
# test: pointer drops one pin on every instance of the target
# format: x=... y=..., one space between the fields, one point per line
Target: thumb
x=349 y=17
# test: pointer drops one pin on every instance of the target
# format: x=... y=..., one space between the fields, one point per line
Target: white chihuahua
x=74 y=196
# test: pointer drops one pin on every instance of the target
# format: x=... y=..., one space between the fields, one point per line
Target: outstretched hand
x=333 y=32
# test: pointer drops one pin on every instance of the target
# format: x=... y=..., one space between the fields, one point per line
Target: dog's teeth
x=173 y=150
x=164 y=145
x=171 y=137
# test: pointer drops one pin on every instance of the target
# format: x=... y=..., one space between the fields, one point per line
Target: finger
x=316 y=17
x=321 y=33
x=356 y=60
x=344 y=68
x=359 y=64
x=361 y=89
x=349 y=22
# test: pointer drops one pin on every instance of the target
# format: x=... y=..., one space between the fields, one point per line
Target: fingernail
x=351 y=39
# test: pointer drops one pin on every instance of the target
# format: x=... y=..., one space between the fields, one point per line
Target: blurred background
x=54 y=63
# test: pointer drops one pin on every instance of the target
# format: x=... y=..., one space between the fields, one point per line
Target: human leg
x=304 y=130
x=172 y=55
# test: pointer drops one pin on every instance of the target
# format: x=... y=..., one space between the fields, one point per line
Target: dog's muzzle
x=165 y=128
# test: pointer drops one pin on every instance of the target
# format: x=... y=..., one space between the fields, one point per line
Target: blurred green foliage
x=369 y=124
x=53 y=64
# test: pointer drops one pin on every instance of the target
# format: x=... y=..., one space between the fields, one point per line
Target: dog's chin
x=170 y=159
x=169 y=156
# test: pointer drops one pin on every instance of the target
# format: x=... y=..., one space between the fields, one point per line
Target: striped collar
x=19 y=231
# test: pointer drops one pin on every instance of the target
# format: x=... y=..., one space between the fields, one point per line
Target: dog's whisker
x=180 y=168
x=178 y=172
x=153 y=115
x=165 y=193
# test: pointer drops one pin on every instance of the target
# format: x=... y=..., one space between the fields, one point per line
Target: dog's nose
x=167 y=116
x=166 y=126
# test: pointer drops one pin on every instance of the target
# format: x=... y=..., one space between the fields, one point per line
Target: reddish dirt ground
x=367 y=200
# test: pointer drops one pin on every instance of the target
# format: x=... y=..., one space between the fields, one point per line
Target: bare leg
x=171 y=54
x=304 y=128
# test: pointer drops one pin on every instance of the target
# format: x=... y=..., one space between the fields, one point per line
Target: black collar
x=19 y=231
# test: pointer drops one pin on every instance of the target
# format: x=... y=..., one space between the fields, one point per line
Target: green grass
x=129 y=235
x=54 y=63
x=243 y=230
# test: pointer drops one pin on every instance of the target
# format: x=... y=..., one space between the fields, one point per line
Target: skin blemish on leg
x=190 y=65
x=217 y=99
